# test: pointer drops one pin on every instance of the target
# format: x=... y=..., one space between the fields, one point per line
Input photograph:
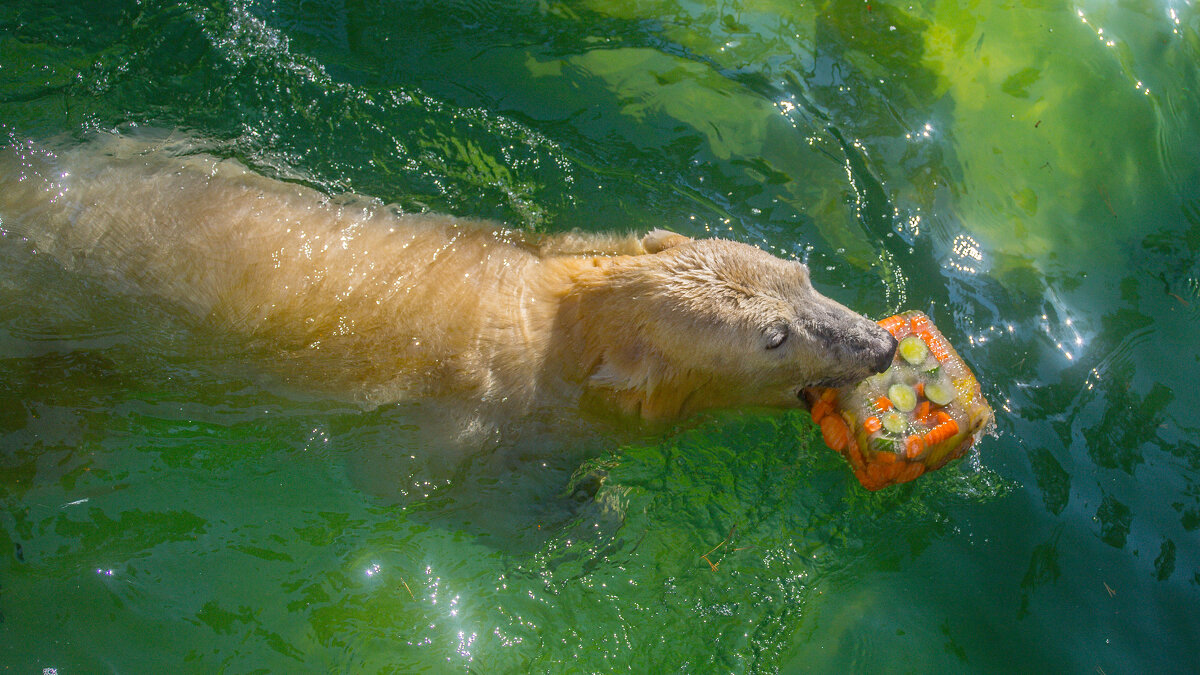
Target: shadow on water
x=511 y=490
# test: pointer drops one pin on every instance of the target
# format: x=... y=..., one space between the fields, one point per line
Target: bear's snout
x=884 y=361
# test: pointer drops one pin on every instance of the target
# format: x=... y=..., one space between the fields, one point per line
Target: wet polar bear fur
x=359 y=298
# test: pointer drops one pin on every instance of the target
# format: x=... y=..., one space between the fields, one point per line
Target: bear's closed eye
x=776 y=336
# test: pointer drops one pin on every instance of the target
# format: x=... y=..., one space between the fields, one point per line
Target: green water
x=1027 y=173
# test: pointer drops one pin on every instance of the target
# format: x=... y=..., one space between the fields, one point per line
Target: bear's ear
x=661 y=240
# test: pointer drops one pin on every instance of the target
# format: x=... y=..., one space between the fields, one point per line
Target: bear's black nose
x=885 y=359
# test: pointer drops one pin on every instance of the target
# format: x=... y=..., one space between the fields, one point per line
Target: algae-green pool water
x=1025 y=173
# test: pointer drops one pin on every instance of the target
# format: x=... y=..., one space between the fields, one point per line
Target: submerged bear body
x=384 y=306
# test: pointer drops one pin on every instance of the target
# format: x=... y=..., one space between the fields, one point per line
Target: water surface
x=1026 y=174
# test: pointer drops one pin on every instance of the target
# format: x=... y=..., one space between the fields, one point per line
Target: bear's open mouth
x=800 y=393
x=803 y=400
x=833 y=382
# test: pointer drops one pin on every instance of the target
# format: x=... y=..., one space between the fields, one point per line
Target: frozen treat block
x=914 y=417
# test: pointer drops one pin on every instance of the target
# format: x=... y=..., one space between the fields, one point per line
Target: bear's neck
x=596 y=342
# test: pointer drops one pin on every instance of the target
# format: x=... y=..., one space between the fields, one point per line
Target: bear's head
x=711 y=323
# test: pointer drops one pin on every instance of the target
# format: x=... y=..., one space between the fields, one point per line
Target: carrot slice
x=935 y=345
x=921 y=323
x=950 y=426
x=914 y=446
x=935 y=435
x=883 y=404
x=911 y=471
x=893 y=325
x=820 y=409
x=872 y=424
x=941 y=432
x=878 y=474
x=835 y=432
x=855 y=455
x=922 y=412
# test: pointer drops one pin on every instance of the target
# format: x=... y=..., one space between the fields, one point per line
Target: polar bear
x=386 y=306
